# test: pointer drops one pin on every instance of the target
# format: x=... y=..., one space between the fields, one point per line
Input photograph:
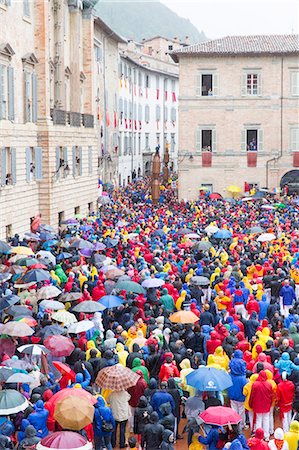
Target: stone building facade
x=238 y=113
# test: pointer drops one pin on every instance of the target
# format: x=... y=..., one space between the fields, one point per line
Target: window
x=172 y=143
x=147 y=113
x=173 y=115
x=165 y=114
x=139 y=143
x=120 y=143
x=147 y=147
x=251 y=83
x=170 y=48
x=62 y=166
x=26 y=8
x=157 y=81
x=6 y=92
x=60 y=217
x=207 y=84
x=90 y=167
x=295 y=82
x=5 y=2
x=139 y=79
x=98 y=53
x=52 y=88
x=134 y=144
x=158 y=113
x=77 y=210
x=8 y=231
x=165 y=138
x=206 y=139
x=90 y=208
x=30 y=98
x=126 y=144
x=77 y=160
x=158 y=138
x=252 y=139
x=147 y=81
x=294 y=139
x=8 y=166
x=30 y=164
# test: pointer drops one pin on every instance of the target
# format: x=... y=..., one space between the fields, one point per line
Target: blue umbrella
x=209 y=379
x=63 y=255
x=8 y=301
x=46 y=236
x=223 y=234
x=111 y=301
x=49 y=244
x=36 y=275
x=4 y=247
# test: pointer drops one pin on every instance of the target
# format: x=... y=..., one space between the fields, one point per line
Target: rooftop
x=241 y=45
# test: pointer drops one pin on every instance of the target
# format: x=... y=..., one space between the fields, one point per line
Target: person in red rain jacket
x=252 y=305
x=250 y=362
x=68 y=286
x=98 y=291
x=169 y=369
x=257 y=442
x=285 y=394
x=213 y=342
x=260 y=401
x=242 y=345
x=222 y=331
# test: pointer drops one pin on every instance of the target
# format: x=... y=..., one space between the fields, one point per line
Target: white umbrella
x=153 y=283
x=247 y=199
x=20 y=378
x=267 y=207
x=266 y=237
x=211 y=229
x=108 y=267
x=33 y=349
x=48 y=291
x=80 y=327
x=52 y=304
x=64 y=317
x=47 y=255
x=192 y=236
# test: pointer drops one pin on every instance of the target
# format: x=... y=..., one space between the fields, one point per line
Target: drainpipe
x=281 y=124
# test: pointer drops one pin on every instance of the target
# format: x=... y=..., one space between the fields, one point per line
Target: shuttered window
x=10 y=93
x=8 y=166
x=295 y=83
x=294 y=139
x=26 y=8
x=147 y=114
x=158 y=113
x=38 y=163
x=90 y=159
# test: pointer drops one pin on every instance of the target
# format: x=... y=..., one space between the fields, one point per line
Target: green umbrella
x=130 y=286
x=12 y=402
x=280 y=205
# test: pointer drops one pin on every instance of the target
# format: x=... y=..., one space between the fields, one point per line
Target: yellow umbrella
x=234 y=189
x=21 y=250
x=74 y=415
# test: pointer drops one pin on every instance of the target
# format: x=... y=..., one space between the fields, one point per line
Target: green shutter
x=10 y=85
x=214 y=141
x=38 y=163
x=244 y=84
x=14 y=165
x=65 y=158
x=198 y=84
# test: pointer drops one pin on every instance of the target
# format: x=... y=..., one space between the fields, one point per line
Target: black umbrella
x=8 y=301
x=51 y=330
x=202 y=246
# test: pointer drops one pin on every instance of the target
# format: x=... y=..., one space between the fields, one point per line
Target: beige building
x=50 y=135
x=238 y=113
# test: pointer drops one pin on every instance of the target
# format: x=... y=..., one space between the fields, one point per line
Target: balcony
x=295 y=159
x=206 y=158
x=251 y=158
x=73 y=119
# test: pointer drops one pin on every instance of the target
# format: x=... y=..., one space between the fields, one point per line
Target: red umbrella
x=74 y=392
x=220 y=415
x=7 y=346
x=59 y=345
x=215 y=196
x=38 y=266
x=64 y=369
x=64 y=440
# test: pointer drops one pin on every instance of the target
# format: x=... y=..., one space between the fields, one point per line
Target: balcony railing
x=71 y=118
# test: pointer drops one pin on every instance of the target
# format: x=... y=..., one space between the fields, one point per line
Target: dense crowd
x=132 y=327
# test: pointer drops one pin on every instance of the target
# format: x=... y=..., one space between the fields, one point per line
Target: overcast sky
x=219 y=18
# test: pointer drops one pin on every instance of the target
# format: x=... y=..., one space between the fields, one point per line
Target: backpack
x=107 y=427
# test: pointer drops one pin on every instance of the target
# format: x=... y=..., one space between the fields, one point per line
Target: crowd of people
x=231 y=265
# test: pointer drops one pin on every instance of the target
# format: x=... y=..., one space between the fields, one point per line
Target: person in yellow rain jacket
x=247 y=392
x=121 y=353
x=259 y=292
x=180 y=300
x=189 y=275
x=216 y=273
x=218 y=358
x=292 y=436
x=185 y=366
x=91 y=345
x=263 y=338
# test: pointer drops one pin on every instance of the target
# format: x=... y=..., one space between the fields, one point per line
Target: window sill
x=3 y=7
x=27 y=19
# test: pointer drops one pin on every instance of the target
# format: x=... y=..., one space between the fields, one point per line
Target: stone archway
x=291 y=179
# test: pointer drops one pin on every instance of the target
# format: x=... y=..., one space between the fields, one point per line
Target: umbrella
x=88 y=306
x=233 y=189
x=5 y=373
x=70 y=297
x=116 y=378
x=215 y=196
x=114 y=273
x=255 y=230
x=59 y=345
x=70 y=221
x=46 y=227
x=183 y=317
x=7 y=346
x=4 y=247
x=69 y=416
x=199 y=281
x=111 y=242
x=104 y=200
x=17 y=329
x=222 y=234
x=152 y=283
x=192 y=236
x=28 y=320
x=33 y=349
x=36 y=275
x=52 y=304
x=79 y=327
x=86 y=252
x=80 y=244
x=247 y=199
x=20 y=378
x=280 y=205
x=99 y=246
x=266 y=237
x=108 y=267
x=130 y=286
x=183 y=231
x=48 y=291
x=220 y=415
x=74 y=392
x=8 y=301
x=11 y=402
x=269 y=207
x=64 y=317
x=19 y=364
x=47 y=255
x=64 y=369
x=17 y=311
x=26 y=262
x=111 y=301
x=31 y=236
x=47 y=236
x=21 y=250
x=51 y=330
x=63 y=440
x=159 y=233
x=209 y=379
x=202 y=246
x=5 y=277
x=63 y=255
